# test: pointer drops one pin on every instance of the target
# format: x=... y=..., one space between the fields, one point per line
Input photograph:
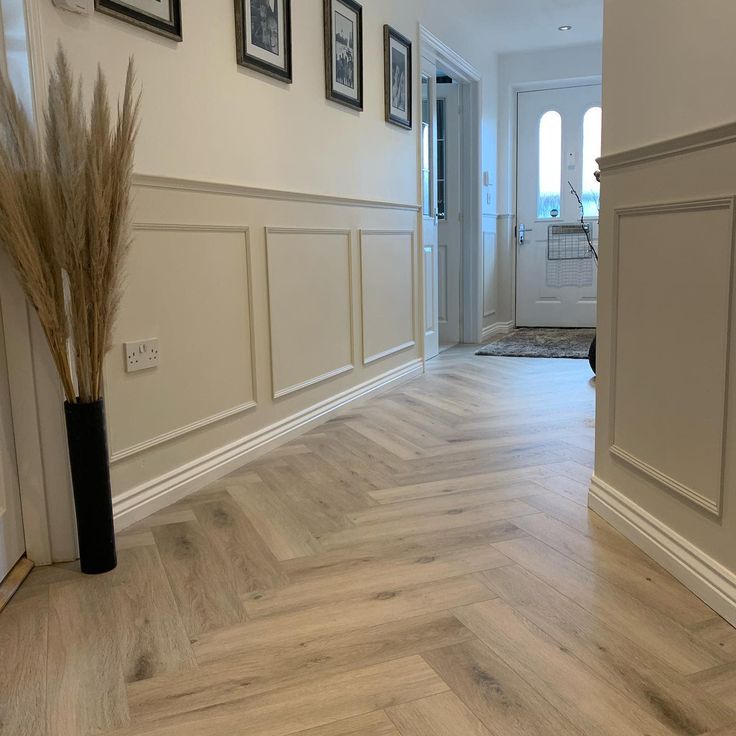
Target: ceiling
x=525 y=25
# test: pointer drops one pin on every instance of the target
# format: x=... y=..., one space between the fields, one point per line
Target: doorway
x=559 y=142
x=449 y=212
x=12 y=541
x=450 y=155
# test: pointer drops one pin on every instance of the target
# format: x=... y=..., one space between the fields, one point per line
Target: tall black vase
x=87 y=438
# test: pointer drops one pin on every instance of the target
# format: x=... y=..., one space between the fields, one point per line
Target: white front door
x=429 y=209
x=559 y=140
x=12 y=543
x=449 y=199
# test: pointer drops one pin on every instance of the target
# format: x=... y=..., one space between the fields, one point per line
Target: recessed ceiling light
x=565 y=28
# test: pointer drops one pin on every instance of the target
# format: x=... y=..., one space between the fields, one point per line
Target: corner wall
x=276 y=250
x=666 y=438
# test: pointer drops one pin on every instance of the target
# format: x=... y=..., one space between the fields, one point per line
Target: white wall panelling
x=190 y=286
x=490 y=276
x=310 y=299
x=387 y=264
x=664 y=397
x=259 y=327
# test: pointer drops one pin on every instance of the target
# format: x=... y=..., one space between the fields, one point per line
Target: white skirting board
x=146 y=499
x=707 y=578
x=499 y=328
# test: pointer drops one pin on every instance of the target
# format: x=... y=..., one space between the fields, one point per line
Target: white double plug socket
x=141 y=355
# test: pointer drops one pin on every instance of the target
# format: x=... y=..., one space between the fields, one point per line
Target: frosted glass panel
x=550 y=164
x=591 y=152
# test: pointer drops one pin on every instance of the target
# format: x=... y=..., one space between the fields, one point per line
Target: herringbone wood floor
x=424 y=564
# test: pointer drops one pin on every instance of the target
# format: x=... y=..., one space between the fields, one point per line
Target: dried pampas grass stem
x=64 y=217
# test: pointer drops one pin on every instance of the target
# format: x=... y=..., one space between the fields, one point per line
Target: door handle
x=523 y=230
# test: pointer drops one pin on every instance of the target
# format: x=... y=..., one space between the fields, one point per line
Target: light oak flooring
x=423 y=564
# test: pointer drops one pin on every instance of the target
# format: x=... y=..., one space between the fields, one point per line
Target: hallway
x=422 y=564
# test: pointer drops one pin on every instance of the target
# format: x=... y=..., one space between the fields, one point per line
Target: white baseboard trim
x=707 y=578
x=156 y=494
x=498 y=328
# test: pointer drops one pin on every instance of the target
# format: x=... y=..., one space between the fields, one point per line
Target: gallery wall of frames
x=263 y=33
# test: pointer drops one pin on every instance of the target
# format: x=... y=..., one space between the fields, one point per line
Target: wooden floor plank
x=85 y=676
x=642 y=578
x=371 y=724
x=649 y=628
x=313 y=703
x=23 y=655
x=440 y=715
x=264 y=664
x=201 y=578
x=555 y=673
x=152 y=635
x=655 y=687
x=256 y=569
x=503 y=701
x=363 y=610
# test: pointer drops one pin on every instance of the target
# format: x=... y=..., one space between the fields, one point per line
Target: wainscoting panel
x=442 y=295
x=256 y=299
x=196 y=280
x=387 y=267
x=658 y=380
x=310 y=306
x=490 y=281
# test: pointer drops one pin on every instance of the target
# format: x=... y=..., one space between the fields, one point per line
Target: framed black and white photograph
x=263 y=36
x=398 y=78
x=160 y=16
x=344 y=52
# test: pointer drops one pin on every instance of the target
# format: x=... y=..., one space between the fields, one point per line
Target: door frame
x=514 y=147
x=35 y=392
x=433 y=48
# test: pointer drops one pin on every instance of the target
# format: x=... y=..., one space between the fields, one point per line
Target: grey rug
x=537 y=342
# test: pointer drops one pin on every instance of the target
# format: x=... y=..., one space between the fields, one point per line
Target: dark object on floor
x=542 y=342
x=591 y=355
x=88 y=455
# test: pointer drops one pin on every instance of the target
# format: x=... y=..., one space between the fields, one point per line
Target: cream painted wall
x=669 y=69
x=206 y=118
x=666 y=438
x=270 y=310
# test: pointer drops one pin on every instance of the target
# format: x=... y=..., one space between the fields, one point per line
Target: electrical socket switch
x=141 y=355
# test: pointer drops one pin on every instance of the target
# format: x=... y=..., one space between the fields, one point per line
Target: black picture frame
x=332 y=87
x=126 y=11
x=407 y=121
x=250 y=55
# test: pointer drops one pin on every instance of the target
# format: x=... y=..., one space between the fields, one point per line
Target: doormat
x=537 y=342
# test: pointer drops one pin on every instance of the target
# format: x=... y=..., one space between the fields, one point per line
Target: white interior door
x=429 y=209
x=449 y=199
x=559 y=140
x=12 y=543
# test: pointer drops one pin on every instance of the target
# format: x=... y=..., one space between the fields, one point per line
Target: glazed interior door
x=429 y=209
x=449 y=198
x=12 y=544
x=559 y=140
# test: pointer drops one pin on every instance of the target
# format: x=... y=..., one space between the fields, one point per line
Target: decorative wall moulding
x=240 y=408
x=410 y=340
x=722 y=135
x=636 y=457
x=280 y=325
x=206 y=187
